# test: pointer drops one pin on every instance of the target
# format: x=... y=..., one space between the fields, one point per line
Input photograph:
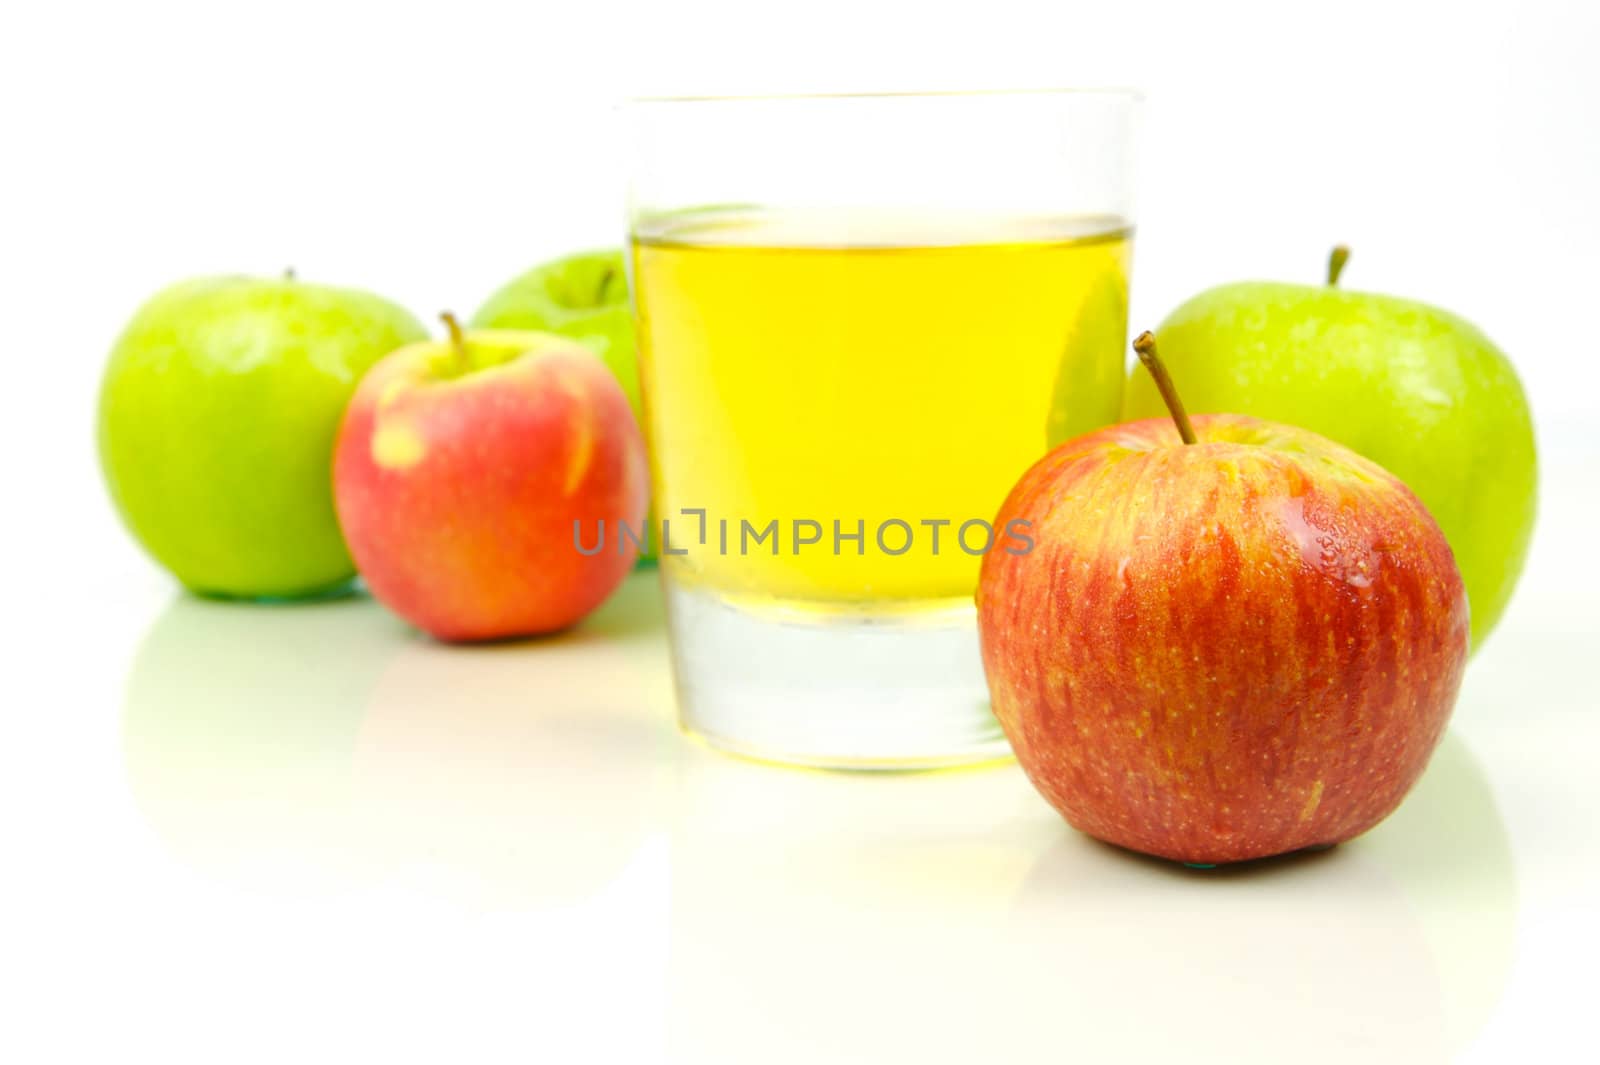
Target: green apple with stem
x=585 y=297
x=218 y=410
x=1415 y=388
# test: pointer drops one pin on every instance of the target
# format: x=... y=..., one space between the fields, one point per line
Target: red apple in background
x=460 y=470
x=1230 y=640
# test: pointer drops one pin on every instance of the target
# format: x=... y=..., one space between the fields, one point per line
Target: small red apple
x=1229 y=640
x=459 y=473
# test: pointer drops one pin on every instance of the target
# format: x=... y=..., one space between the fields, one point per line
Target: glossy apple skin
x=458 y=494
x=218 y=411
x=1221 y=651
x=1417 y=389
x=583 y=296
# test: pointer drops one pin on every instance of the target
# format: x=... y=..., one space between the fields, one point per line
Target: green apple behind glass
x=218 y=410
x=582 y=296
x=1415 y=388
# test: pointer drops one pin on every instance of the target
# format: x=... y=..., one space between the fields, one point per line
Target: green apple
x=585 y=297
x=1415 y=388
x=218 y=411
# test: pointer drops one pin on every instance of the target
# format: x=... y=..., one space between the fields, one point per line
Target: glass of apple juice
x=861 y=318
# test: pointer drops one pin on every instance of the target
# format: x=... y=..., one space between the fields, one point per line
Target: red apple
x=1227 y=641
x=461 y=468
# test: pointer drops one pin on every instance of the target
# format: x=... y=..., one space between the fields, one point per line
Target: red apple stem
x=1145 y=345
x=1336 y=261
x=458 y=340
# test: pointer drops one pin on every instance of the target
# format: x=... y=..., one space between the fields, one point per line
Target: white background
x=429 y=154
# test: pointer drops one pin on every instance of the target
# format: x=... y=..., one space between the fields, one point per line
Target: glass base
x=835 y=690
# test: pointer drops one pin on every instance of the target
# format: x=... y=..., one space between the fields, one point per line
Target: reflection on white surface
x=806 y=916
x=325 y=744
x=1400 y=940
x=239 y=727
x=951 y=917
x=510 y=784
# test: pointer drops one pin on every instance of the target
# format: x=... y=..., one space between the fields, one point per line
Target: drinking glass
x=861 y=318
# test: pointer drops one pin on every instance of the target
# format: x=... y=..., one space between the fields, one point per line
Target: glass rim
x=1120 y=92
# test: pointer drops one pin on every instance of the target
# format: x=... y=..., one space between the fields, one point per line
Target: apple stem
x=288 y=273
x=1145 y=345
x=458 y=341
x=1336 y=261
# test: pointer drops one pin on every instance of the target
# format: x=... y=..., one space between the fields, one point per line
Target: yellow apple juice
x=837 y=404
